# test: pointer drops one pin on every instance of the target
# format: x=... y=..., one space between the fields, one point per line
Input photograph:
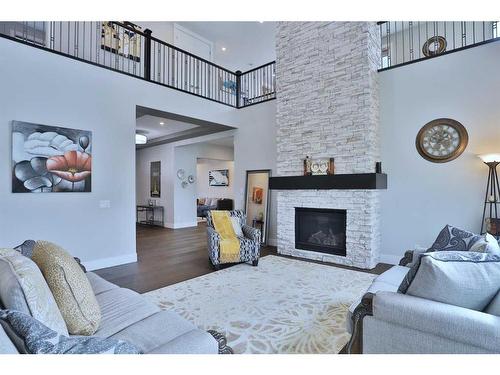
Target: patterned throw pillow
x=23 y=288
x=39 y=339
x=467 y=279
x=454 y=239
x=70 y=287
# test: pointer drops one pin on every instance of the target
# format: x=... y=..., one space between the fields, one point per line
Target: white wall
x=255 y=148
x=179 y=203
x=144 y=157
x=203 y=189
x=60 y=91
x=422 y=196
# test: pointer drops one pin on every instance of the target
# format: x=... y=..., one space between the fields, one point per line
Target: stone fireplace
x=327 y=106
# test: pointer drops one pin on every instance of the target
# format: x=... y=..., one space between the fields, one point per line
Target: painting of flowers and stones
x=48 y=159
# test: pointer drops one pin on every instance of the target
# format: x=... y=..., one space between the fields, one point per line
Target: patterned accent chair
x=249 y=244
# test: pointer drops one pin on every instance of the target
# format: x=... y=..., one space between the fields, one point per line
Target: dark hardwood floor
x=168 y=256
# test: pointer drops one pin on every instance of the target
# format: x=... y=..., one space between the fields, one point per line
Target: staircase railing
x=126 y=48
x=406 y=42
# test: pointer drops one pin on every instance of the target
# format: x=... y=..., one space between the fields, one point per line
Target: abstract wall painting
x=49 y=159
x=219 y=177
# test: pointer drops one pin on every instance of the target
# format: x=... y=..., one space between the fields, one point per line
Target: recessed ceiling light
x=162 y=123
x=261 y=21
x=223 y=49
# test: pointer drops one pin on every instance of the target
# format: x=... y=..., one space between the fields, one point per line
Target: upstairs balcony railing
x=125 y=48
x=405 y=42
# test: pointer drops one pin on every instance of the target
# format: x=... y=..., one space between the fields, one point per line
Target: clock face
x=442 y=140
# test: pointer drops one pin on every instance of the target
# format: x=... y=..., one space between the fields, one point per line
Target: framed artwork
x=219 y=177
x=155 y=179
x=257 y=193
x=50 y=159
x=121 y=41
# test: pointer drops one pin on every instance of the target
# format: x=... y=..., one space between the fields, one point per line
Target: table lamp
x=492 y=197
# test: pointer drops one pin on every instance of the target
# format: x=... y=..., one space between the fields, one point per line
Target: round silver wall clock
x=442 y=140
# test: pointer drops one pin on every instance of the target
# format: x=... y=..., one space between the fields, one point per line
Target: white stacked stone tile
x=327 y=106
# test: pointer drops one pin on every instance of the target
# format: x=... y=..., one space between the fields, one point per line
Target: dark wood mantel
x=362 y=181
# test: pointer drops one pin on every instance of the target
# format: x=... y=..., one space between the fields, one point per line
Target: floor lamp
x=492 y=197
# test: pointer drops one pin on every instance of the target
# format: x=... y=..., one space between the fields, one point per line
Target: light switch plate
x=105 y=204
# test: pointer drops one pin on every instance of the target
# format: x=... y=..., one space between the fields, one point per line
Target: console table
x=152 y=215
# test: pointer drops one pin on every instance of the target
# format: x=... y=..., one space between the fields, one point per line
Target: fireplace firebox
x=321 y=230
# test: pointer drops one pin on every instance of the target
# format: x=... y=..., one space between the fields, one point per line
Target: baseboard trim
x=188 y=224
x=390 y=259
x=109 y=262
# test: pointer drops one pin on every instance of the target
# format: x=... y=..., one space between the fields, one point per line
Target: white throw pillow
x=487 y=244
x=236 y=226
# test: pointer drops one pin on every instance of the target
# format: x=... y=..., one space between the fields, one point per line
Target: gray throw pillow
x=39 y=339
x=467 y=279
x=454 y=239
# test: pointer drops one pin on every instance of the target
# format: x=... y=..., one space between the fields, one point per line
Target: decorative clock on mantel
x=442 y=140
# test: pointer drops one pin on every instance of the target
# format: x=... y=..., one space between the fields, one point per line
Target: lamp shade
x=490 y=158
x=140 y=139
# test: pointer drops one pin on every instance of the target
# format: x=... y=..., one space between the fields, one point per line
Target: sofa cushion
x=23 y=288
x=122 y=308
x=493 y=307
x=70 y=287
x=98 y=284
x=465 y=279
x=454 y=239
x=39 y=339
x=155 y=330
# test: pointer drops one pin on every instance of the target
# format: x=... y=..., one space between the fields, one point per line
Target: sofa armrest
x=251 y=232
x=213 y=244
x=411 y=257
x=448 y=321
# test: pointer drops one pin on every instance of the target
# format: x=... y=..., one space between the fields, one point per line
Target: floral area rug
x=281 y=306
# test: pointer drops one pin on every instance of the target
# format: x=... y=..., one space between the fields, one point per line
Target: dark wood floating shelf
x=362 y=181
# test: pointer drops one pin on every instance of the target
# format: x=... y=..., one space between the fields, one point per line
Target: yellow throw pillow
x=70 y=287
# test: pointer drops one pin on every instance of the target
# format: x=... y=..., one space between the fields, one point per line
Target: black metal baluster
x=453 y=34
x=410 y=36
x=389 y=46
x=83 y=41
x=403 y=39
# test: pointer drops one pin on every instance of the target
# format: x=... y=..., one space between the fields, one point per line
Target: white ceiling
x=248 y=44
x=150 y=126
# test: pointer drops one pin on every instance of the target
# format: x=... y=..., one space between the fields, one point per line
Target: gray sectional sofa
x=387 y=322
x=126 y=315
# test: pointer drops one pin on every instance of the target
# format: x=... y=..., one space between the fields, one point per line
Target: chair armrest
x=251 y=232
x=213 y=244
x=448 y=321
